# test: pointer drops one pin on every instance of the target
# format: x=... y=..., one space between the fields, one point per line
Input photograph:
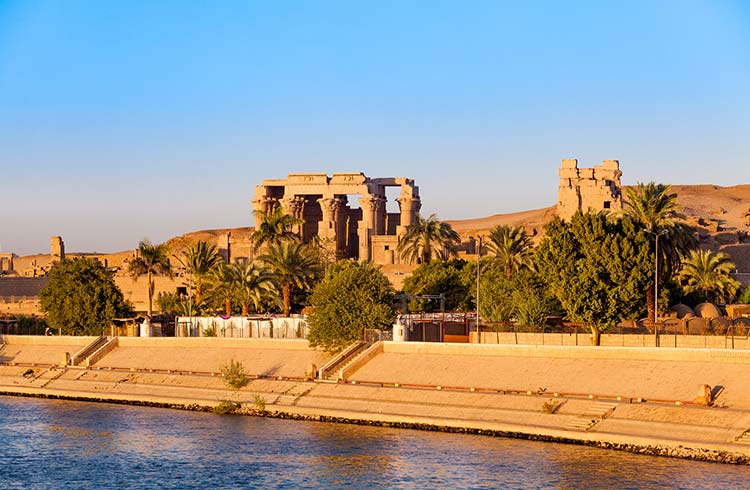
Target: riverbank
x=638 y=400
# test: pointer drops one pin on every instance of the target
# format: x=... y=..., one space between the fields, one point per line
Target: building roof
x=21 y=286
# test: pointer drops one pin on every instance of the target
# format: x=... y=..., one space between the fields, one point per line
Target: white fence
x=242 y=327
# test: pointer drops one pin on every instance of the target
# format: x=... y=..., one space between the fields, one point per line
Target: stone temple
x=324 y=203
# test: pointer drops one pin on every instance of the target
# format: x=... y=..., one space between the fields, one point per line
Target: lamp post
x=656 y=234
x=479 y=257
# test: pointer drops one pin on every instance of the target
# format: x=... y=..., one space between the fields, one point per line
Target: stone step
x=744 y=438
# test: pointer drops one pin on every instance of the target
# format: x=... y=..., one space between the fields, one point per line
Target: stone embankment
x=643 y=400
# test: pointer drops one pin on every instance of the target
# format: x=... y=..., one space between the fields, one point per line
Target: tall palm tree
x=655 y=208
x=291 y=266
x=200 y=260
x=273 y=227
x=512 y=248
x=427 y=239
x=151 y=260
x=709 y=273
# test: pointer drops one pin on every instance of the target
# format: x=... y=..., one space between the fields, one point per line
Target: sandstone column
x=409 y=207
x=367 y=225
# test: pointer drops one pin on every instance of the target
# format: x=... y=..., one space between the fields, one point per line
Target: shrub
x=226 y=407
x=234 y=374
x=260 y=403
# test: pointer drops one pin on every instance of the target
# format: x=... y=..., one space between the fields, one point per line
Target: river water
x=64 y=444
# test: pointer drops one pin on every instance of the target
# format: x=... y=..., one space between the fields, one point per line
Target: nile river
x=62 y=444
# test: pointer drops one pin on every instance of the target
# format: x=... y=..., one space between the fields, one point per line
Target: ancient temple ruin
x=367 y=232
x=596 y=188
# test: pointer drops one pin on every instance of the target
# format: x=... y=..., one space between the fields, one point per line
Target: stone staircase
x=290 y=396
x=87 y=350
x=592 y=416
x=743 y=438
x=331 y=371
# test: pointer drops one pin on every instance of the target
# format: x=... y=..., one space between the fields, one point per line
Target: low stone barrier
x=219 y=342
x=568 y=352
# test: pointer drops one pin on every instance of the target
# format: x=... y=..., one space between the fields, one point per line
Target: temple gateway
x=367 y=232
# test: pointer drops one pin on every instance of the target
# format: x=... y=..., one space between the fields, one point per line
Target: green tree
x=292 y=266
x=243 y=282
x=654 y=207
x=511 y=247
x=151 y=260
x=352 y=297
x=596 y=268
x=200 y=260
x=438 y=277
x=427 y=239
x=273 y=227
x=524 y=297
x=81 y=298
x=708 y=273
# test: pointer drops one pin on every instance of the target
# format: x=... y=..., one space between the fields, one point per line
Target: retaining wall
x=567 y=352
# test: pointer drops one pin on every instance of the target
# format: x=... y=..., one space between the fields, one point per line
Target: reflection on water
x=85 y=445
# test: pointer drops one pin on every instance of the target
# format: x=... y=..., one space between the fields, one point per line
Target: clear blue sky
x=123 y=120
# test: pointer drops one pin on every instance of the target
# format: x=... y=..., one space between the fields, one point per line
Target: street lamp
x=657 y=234
x=479 y=257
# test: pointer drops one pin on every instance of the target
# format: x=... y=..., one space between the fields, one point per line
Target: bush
x=226 y=407
x=234 y=374
x=260 y=403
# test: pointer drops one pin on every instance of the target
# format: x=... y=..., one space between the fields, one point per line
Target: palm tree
x=427 y=239
x=273 y=227
x=200 y=260
x=708 y=273
x=655 y=207
x=512 y=248
x=253 y=284
x=292 y=266
x=151 y=260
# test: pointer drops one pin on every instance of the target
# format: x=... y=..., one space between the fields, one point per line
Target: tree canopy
x=427 y=239
x=707 y=273
x=200 y=260
x=353 y=296
x=512 y=248
x=596 y=268
x=274 y=227
x=81 y=298
x=437 y=277
x=292 y=266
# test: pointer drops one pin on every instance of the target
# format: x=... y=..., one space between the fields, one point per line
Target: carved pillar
x=327 y=225
x=294 y=206
x=342 y=226
x=409 y=207
x=379 y=215
x=366 y=226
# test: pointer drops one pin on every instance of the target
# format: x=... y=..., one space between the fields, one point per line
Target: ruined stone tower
x=596 y=188
x=57 y=249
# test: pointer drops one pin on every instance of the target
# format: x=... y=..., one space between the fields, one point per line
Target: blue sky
x=124 y=120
